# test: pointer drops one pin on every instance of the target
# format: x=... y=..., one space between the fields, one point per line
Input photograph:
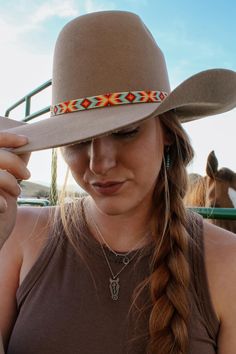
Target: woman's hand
x=12 y=169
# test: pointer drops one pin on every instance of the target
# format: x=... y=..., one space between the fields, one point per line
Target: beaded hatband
x=109 y=99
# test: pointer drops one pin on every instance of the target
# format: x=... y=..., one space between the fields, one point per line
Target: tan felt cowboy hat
x=108 y=72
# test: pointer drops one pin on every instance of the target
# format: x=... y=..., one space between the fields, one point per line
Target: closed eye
x=78 y=146
x=126 y=133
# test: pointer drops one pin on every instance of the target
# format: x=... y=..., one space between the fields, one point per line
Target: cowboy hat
x=108 y=73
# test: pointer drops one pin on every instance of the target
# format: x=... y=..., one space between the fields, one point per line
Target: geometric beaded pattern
x=106 y=100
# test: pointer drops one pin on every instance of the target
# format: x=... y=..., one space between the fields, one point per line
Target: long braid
x=169 y=281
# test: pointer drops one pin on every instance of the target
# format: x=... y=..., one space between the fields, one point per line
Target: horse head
x=217 y=189
x=220 y=185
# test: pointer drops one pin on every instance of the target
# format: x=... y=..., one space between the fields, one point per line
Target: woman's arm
x=1 y=345
x=220 y=250
x=10 y=264
x=17 y=257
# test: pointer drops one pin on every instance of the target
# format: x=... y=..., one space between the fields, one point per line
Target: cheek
x=152 y=151
x=148 y=160
x=76 y=162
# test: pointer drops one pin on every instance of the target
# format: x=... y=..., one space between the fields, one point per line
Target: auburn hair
x=170 y=274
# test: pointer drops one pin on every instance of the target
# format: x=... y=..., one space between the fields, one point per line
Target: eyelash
x=126 y=134
x=119 y=135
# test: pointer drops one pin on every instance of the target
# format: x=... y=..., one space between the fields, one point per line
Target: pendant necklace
x=114 y=280
x=114 y=284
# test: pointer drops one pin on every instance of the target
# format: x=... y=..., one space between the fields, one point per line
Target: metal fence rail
x=216 y=213
x=28 y=117
x=27 y=100
x=33 y=201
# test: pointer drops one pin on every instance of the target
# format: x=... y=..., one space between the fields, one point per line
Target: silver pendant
x=125 y=260
x=114 y=288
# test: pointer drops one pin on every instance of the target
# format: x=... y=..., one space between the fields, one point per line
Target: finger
x=9 y=184
x=9 y=140
x=3 y=204
x=13 y=164
x=25 y=157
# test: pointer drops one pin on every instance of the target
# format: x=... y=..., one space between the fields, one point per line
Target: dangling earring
x=167 y=158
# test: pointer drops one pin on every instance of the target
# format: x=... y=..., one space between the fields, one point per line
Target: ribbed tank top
x=65 y=307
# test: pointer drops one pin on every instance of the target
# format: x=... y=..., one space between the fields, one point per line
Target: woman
x=125 y=269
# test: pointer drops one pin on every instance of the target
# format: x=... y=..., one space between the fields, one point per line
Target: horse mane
x=196 y=192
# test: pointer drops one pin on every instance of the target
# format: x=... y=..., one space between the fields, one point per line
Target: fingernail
x=23 y=137
x=27 y=174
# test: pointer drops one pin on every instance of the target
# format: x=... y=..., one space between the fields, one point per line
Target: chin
x=111 y=206
x=118 y=205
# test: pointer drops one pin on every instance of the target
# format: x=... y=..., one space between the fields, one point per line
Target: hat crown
x=104 y=52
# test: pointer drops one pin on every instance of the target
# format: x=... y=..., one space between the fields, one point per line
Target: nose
x=102 y=155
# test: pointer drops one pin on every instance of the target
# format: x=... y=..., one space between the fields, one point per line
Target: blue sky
x=194 y=36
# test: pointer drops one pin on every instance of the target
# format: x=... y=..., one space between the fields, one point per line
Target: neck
x=121 y=232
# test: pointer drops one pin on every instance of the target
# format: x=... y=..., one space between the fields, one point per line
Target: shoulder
x=31 y=219
x=27 y=238
x=220 y=259
x=32 y=230
x=17 y=256
x=31 y=223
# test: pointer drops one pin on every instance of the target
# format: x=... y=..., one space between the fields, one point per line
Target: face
x=119 y=171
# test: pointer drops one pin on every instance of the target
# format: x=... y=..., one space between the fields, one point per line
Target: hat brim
x=207 y=93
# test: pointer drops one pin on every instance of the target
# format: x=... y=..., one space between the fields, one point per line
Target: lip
x=107 y=188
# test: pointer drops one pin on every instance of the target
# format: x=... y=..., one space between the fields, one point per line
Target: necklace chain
x=114 y=280
x=114 y=276
x=124 y=255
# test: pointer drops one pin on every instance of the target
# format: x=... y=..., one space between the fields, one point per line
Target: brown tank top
x=65 y=305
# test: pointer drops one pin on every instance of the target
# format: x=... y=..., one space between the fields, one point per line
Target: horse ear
x=212 y=165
